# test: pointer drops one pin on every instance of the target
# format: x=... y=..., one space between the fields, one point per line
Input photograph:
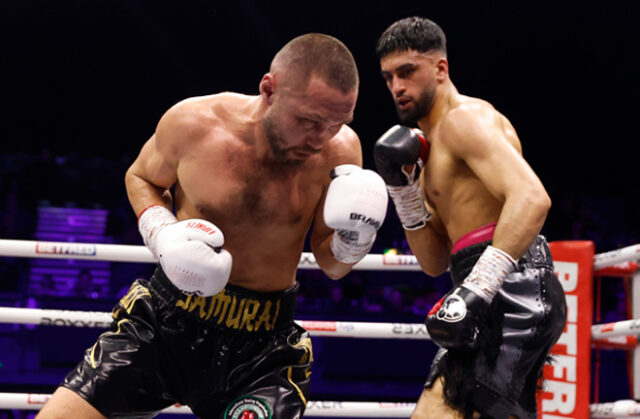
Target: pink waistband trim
x=476 y=236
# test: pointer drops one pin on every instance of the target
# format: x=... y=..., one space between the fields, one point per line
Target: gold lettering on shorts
x=275 y=316
x=250 y=312
x=235 y=313
x=135 y=292
x=222 y=304
x=184 y=304
x=265 y=317
x=198 y=301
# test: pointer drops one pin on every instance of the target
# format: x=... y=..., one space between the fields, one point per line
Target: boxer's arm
x=475 y=136
x=149 y=178
x=154 y=171
x=431 y=246
x=320 y=246
x=189 y=251
x=347 y=150
x=400 y=153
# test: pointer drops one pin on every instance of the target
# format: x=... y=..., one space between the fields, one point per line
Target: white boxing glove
x=355 y=207
x=189 y=251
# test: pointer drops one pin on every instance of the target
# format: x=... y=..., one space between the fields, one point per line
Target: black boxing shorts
x=237 y=354
x=500 y=378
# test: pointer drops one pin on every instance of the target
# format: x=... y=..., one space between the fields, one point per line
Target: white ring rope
x=28 y=401
x=618 y=409
x=129 y=253
x=44 y=317
x=614 y=257
x=612 y=330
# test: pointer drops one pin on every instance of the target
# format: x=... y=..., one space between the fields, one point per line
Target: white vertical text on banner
x=567 y=390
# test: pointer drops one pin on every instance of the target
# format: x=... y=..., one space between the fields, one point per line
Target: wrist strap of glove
x=150 y=221
x=346 y=247
x=410 y=206
x=489 y=273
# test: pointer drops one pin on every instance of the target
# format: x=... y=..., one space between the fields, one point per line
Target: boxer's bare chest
x=455 y=192
x=234 y=189
x=439 y=176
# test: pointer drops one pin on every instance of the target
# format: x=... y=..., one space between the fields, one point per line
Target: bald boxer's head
x=311 y=91
x=413 y=60
x=315 y=54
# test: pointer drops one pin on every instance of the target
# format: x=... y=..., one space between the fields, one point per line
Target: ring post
x=567 y=390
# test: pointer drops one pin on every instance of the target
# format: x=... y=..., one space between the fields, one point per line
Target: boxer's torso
x=451 y=188
x=263 y=208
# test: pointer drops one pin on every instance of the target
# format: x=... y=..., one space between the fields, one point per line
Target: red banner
x=567 y=388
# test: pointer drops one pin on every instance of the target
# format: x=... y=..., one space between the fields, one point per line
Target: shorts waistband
x=537 y=256
x=476 y=236
x=234 y=308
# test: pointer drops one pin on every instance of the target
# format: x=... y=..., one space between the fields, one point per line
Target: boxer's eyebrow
x=405 y=67
x=317 y=117
x=401 y=67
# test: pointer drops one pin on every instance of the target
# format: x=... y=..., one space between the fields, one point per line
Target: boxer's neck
x=446 y=98
x=253 y=130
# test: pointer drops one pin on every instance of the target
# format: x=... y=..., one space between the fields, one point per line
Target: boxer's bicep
x=155 y=169
x=149 y=178
x=503 y=171
x=155 y=165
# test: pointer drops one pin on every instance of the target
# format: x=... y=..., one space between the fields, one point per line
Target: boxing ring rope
x=28 y=401
x=127 y=253
x=45 y=317
x=620 y=408
x=130 y=253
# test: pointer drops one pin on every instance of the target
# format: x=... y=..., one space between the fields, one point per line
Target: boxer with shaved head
x=226 y=190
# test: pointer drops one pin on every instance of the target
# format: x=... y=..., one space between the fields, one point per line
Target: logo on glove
x=453 y=309
x=200 y=226
x=365 y=220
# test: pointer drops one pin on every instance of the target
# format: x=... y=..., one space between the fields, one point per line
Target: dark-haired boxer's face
x=300 y=122
x=411 y=78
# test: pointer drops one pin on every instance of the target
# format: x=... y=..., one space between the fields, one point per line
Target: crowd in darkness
x=31 y=181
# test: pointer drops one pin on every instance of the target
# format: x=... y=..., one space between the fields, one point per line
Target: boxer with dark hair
x=248 y=176
x=469 y=201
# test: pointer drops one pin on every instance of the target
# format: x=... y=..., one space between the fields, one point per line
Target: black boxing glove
x=453 y=322
x=397 y=149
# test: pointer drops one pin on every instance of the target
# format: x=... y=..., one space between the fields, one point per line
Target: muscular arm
x=155 y=169
x=479 y=139
x=348 y=151
x=149 y=178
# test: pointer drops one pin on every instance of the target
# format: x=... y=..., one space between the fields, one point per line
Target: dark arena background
x=85 y=82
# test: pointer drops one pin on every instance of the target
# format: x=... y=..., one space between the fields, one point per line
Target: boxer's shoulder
x=343 y=148
x=203 y=111
x=209 y=118
x=472 y=125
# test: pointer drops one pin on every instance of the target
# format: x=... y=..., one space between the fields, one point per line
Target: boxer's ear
x=267 y=87
x=442 y=69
